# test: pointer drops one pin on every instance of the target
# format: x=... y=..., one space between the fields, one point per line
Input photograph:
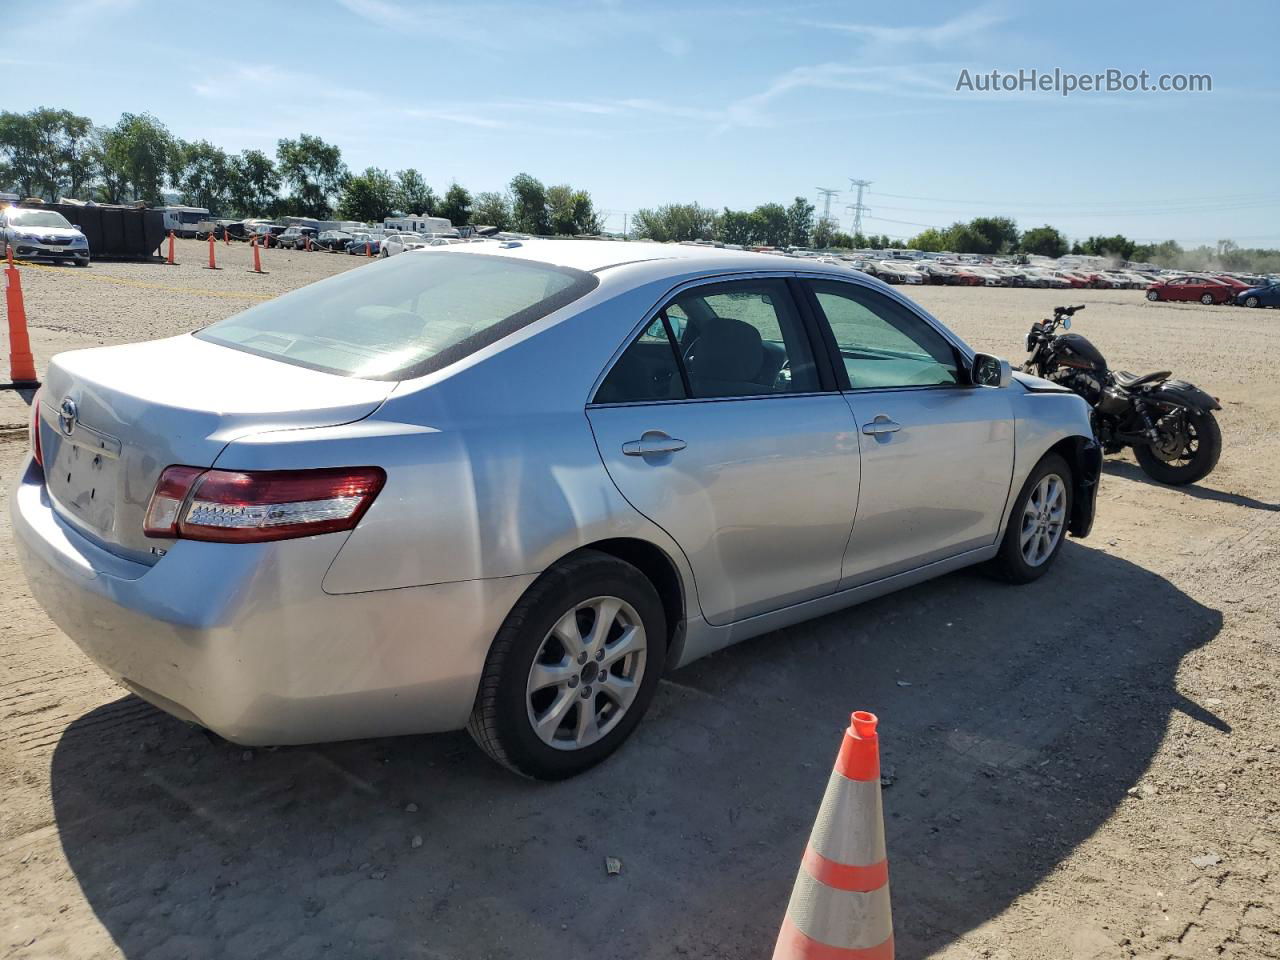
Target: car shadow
x=1013 y=723
x=1131 y=471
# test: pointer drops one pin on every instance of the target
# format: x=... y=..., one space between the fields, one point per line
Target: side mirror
x=1066 y=323
x=989 y=371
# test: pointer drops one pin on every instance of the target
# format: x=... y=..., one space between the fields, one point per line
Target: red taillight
x=37 y=451
x=234 y=507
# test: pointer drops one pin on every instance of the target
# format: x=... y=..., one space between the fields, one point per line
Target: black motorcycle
x=1169 y=423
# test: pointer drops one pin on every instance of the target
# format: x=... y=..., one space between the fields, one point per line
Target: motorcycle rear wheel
x=1195 y=460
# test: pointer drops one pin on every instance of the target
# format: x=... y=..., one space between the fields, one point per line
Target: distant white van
x=420 y=223
x=183 y=221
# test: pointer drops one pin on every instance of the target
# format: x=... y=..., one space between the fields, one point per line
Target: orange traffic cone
x=22 y=366
x=213 y=260
x=839 y=907
x=226 y=237
x=368 y=249
x=170 y=259
x=257 y=257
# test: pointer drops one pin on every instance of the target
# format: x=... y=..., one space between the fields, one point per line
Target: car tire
x=528 y=649
x=1153 y=295
x=1252 y=302
x=1207 y=299
x=1043 y=504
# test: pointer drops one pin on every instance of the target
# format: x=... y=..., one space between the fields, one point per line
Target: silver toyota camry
x=506 y=485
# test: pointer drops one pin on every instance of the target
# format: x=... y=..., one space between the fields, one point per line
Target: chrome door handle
x=654 y=442
x=880 y=425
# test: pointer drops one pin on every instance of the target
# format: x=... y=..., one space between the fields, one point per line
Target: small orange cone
x=226 y=237
x=257 y=257
x=213 y=260
x=170 y=259
x=368 y=249
x=22 y=366
x=839 y=907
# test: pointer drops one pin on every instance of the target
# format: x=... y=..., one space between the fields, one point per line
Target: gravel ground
x=1086 y=767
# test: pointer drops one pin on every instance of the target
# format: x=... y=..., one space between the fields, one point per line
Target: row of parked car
x=1208 y=289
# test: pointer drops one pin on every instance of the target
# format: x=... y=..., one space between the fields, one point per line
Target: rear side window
x=741 y=338
x=402 y=317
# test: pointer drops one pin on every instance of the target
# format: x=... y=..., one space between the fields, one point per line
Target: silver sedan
x=506 y=485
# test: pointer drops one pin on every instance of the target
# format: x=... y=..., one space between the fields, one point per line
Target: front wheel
x=1185 y=455
x=572 y=670
x=1037 y=524
x=1251 y=301
x=1153 y=295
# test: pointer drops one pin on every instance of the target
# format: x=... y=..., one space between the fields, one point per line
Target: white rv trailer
x=183 y=221
x=419 y=223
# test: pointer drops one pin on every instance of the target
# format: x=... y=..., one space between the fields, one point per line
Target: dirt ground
x=1087 y=767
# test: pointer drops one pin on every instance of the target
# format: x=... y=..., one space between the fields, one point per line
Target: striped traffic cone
x=839 y=907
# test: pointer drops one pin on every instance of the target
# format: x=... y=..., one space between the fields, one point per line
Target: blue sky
x=721 y=103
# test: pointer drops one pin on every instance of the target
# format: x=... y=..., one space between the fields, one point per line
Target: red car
x=1237 y=286
x=1190 y=288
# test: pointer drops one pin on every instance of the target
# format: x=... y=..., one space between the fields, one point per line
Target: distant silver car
x=37 y=234
x=505 y=485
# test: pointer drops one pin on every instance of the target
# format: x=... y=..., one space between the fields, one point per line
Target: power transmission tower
x=857 y=207
x=827 y=193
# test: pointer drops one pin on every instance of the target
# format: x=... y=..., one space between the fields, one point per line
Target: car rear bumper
x=241 y=639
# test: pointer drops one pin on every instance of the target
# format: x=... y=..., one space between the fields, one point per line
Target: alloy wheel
x=586 y=673
x=1043 y=519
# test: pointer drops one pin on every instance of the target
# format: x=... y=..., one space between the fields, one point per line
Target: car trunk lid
x=112 y=418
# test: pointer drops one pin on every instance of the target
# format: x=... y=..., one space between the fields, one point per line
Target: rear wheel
x=1207 y=299
x=572 y=670
x=1038 y=523
x=1185 y=455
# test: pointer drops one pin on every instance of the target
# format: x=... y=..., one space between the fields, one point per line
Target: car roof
x=595 y=256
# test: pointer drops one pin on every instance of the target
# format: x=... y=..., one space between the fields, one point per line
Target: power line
x=827 y=193
x=1040 y=204
x=856 y=206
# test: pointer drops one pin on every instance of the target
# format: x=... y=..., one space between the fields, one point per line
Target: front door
x=937 y=452
x=716 y=425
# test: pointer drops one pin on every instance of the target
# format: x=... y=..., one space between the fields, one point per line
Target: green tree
x=529 y=205
x=843 y=241
x=456 y=205
x=823 y=233
x=44 y=151
x=571 y=212
x=491 y=209
x=203 y=176
x=770 y=224
x=314 y=171
x=735 y=226
x=931 y=240
x=1117 y=246
x=994 y=234
x=413 y=195
x=674 y=222
x=799 y=222
x=1044 y=241
x=252 y=183
x=369 y=196
x=138 y=154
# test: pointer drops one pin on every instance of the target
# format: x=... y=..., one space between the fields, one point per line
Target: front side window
x=403 y=317
x=882 y=343
x=737 y=339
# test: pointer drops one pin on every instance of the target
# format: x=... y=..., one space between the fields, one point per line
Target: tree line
x=50 y=153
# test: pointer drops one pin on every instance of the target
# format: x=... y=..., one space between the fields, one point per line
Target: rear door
x=937 y=452
x=719 y=425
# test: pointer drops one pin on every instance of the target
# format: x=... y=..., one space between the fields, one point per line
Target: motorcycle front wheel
x=1186 y=457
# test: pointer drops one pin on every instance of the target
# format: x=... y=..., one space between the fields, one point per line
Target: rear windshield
x=402 y=317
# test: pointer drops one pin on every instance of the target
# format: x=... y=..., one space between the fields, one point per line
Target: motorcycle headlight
x=1031 y=343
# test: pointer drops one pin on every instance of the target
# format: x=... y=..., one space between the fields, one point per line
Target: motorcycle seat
x=1128 y=380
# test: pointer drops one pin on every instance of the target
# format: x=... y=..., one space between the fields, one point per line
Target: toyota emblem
x=67 y=414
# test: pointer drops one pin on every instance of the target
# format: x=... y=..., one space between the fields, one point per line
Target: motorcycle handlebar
x=1067 y=311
